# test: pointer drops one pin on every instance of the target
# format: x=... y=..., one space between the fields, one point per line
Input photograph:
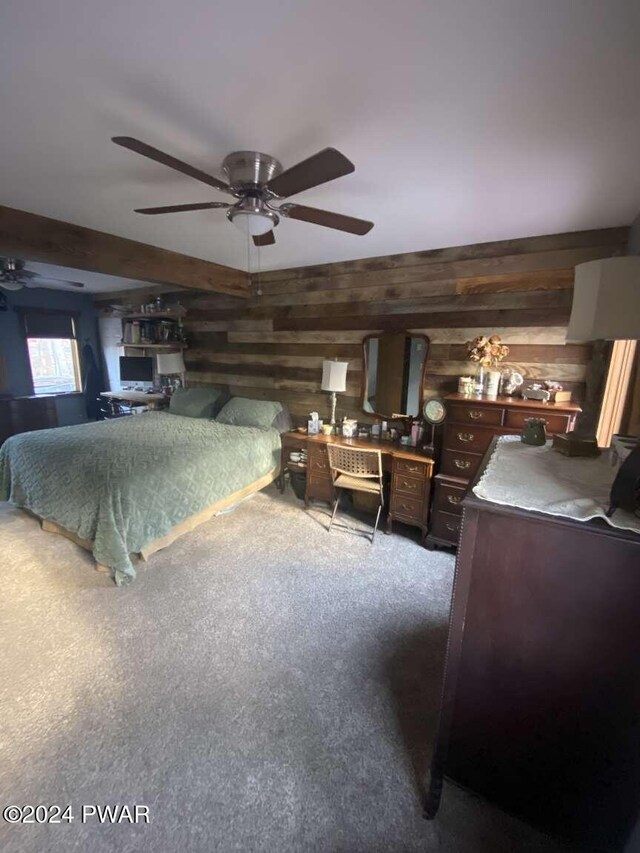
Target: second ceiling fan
x=257 y=180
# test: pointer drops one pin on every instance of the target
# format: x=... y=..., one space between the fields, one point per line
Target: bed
x=126 y=487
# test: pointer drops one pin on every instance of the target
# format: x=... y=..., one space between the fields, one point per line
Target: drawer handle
x=406 y=508
x=452 y=527
x=413 y=469
x=474 y=414
x=453 y=499
x=462 y=463
x=409 y=485
x=321 y=465
x=465 y=436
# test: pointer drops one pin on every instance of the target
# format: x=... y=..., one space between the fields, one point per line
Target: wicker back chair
x=358 y=469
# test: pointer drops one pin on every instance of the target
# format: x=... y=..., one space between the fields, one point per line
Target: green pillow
x=241 y=411
x=195 y=402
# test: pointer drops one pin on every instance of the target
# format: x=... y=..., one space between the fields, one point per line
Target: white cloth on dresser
x=543 y=480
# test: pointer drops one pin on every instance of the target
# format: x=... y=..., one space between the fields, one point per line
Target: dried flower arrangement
x=487 y=351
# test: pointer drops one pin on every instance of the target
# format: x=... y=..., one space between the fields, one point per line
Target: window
x=54 y=365
x=53 y=351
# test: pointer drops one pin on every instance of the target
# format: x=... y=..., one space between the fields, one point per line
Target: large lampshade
x=170 y=362
x=606 y=301
x=334 y=376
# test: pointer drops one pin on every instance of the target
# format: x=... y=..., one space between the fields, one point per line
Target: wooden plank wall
x=272 y=346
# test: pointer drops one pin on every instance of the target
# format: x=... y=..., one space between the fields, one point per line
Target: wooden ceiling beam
x=37 y=238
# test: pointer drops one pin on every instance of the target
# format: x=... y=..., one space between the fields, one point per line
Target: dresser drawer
x=410 y=466
x=472 y=439
x=448 y=498
x=556 y=422
x=456 y=463
x=445 y=526
x=467 y=413
x=407 y=509
x=411 y=486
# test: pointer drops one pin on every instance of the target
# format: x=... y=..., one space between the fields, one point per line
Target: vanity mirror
x=393 y=377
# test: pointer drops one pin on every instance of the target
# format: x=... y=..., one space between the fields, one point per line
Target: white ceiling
x=467 y=121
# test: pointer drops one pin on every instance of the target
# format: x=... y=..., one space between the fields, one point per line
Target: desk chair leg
x=375 y=526
x=335 y=508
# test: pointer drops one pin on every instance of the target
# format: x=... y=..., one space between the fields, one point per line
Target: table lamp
x=171 y=364
x=334 y=380
x=606 y=301
x=605 y=307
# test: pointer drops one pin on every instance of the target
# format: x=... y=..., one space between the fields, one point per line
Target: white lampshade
x=170 y=362
x=253 y=223
x=334 y=376
x=606 y=301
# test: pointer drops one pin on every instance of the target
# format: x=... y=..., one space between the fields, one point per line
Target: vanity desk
x=393 y=379
x=410 y=470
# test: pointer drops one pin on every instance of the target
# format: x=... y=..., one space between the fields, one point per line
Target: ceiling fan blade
x=324 y=166
x=38 y=280
x=267 y=239
x=326 y=218
x=181 y=208
x=167 y=160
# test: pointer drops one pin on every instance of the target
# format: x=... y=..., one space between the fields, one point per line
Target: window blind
x=45 y=324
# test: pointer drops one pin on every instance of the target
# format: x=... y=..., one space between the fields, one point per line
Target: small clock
x=434 y=411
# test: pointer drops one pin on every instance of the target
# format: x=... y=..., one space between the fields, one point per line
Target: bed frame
x=179 y=530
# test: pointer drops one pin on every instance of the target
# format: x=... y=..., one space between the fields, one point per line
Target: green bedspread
x=123 y=483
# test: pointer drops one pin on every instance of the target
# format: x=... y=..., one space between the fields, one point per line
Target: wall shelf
x=160 y=329
x=155 y=315
x=166 y=345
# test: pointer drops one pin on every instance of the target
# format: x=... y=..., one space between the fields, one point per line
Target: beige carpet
x=262 y=686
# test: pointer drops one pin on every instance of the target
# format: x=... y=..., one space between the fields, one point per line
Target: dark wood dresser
x=24 y=414
x=540 y=711
x=470 y=425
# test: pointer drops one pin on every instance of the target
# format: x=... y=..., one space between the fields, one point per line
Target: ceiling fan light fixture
x=251 y=217
x=9 y=284
x=253 y=223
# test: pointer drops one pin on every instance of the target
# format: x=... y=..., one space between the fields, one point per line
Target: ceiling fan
x=257 y=180
x=13 y=276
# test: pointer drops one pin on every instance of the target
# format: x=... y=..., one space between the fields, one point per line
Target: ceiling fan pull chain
x=258 y=286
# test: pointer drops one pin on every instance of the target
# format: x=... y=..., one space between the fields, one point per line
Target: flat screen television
x=136 y=369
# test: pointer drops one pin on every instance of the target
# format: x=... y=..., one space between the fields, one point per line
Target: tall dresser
x=540 y=704
x=470 y=424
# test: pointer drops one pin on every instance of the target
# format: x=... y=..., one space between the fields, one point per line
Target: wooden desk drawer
x=412 y=486
x=448 y=498
x=556 y=422
x=472 y=439
x=294 y=441
x=407 y=509
x=320 y=489
x=318 y=459
x=467 y=413
x=319 y=476
x=410 y=466
x=445 y=526
x=455 y=463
